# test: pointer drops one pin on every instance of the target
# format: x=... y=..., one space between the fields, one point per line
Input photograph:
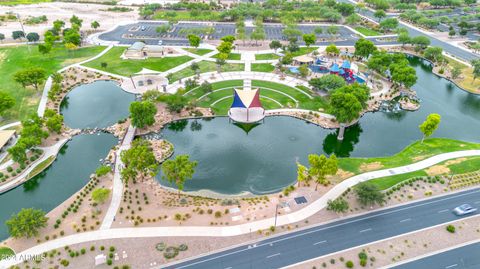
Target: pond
x=97 y=104
x=263 y=159
x=68 y=174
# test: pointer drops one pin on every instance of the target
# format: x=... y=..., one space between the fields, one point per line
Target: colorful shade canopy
x=246 y=98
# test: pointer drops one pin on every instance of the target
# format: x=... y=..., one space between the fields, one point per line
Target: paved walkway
x=21 y=178
x=196 y=231
x=117 y=180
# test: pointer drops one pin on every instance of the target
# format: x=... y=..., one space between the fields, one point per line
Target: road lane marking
x=271 y=256
x=366 y=230
x=443 y=211
x=321 y=242
x=451 y=266
x=405 y=220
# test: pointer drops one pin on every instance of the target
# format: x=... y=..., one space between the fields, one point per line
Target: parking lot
x=176 y=34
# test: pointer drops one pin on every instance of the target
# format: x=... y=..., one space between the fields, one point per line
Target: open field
x=263 y=68
x=13 y=59
x=117 y=65
x=266 y=56
x=411 y=154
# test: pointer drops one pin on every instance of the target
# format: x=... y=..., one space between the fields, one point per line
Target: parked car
x=143 y=28
x=160 y=42
x=464 y=210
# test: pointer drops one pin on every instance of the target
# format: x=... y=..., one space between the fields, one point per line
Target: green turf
x=198 y=51
x=117 y=65
x=367 y=32
x=231 y=56
x=316 y=103
x=21 y=2
x=410 y=154
x=303 y=51
x=470 y=165
x=268 y=68
x=6 y=252
x=206 y=66
x=13 y=59
x=221 y=108
x=266 y=56
x=188 y=16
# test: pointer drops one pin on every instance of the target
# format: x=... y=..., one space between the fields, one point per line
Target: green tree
x=44 y=48
x=368 y=194
x=103 y=170
x=338 y=205
x=6 y=102
x=18 y=35
x=420 y=42
x=225 y=47
x=2 y=37
x=309 y=39
x=18 y=152
x=72 y=36
x=179 y=170
x=476 y=68
x=364 y=48
x=346 y=104
x=389 y=24
x=100 y=195
x=54 y=121
x=27 y=223
x=58 y=25
x=275 y=45
x=328 y=82
x=353 y=19
x=434 y=54
x=95 y=25
x=304 y=70
x=456 y=72
x=429 y=125
x=76 y=21
x=404 y=38
x=332 y=49
x=302 y=174
x=321 y=167
x=228 y=38
x=332 y=30
x=403 y=74
x=258 y=33
x=33 y=76
x=138 y=160
x=380 y=14
x=142 y=113
x=194 y=40
x=32 y=37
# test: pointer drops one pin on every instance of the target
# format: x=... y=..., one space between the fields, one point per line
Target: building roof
x=304 y=59
x=5 y=135
x=346 y=64
x=334 y=68
x=137 y=46
x=246 y=98
x=154 y=48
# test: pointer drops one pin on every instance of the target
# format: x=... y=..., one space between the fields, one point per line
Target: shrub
x=170 y=252
x=109 y=262
x=349 y=264
x=182 y=247
x=363 y=263
x=112 y=249
x=362 y=255
x=65 y=263
x=451 y=229
x=218 y=214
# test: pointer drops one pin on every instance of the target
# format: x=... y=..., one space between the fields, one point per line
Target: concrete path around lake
x=21 y=178
x=117 y=180
x=196 y=231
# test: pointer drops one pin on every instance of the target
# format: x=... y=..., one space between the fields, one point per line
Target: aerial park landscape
x=265 y=134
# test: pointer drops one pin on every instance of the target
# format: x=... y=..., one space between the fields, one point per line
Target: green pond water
x=67 y=174
x=263 y=159
x=97 y=104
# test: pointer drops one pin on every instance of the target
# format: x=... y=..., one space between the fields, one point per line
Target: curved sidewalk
x=299 y=215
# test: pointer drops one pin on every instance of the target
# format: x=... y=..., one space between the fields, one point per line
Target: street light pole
x=276 y=213
x=23 y=29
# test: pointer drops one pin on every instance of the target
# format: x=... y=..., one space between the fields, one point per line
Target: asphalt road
x=303 y=245
x=465 y=257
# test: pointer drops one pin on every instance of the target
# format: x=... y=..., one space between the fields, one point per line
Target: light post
x=23 y=29
x=276 y=214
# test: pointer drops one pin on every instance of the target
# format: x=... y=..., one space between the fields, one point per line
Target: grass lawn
x=263 y=67
x=6 y=252
x=469 y=165
x=182 y=15
x=231 y=56
x=13 y=59
x=266 y=56
x=21 y=2
x=41 y=166
x=303 y=51
x=221 y=107
x=123 y=67
x=411 y=154
x=316 y=103
x=198 y=51
x=206 y=66
x=466 y=81
x=367 y=32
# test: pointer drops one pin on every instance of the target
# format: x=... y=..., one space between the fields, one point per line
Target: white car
x=464 y=210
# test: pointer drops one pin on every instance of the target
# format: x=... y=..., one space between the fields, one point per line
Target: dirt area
x=162 y=149
x=437 y=170
x=64 y=11
x=365 y=167
x=83 y=216
x=390 y=251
